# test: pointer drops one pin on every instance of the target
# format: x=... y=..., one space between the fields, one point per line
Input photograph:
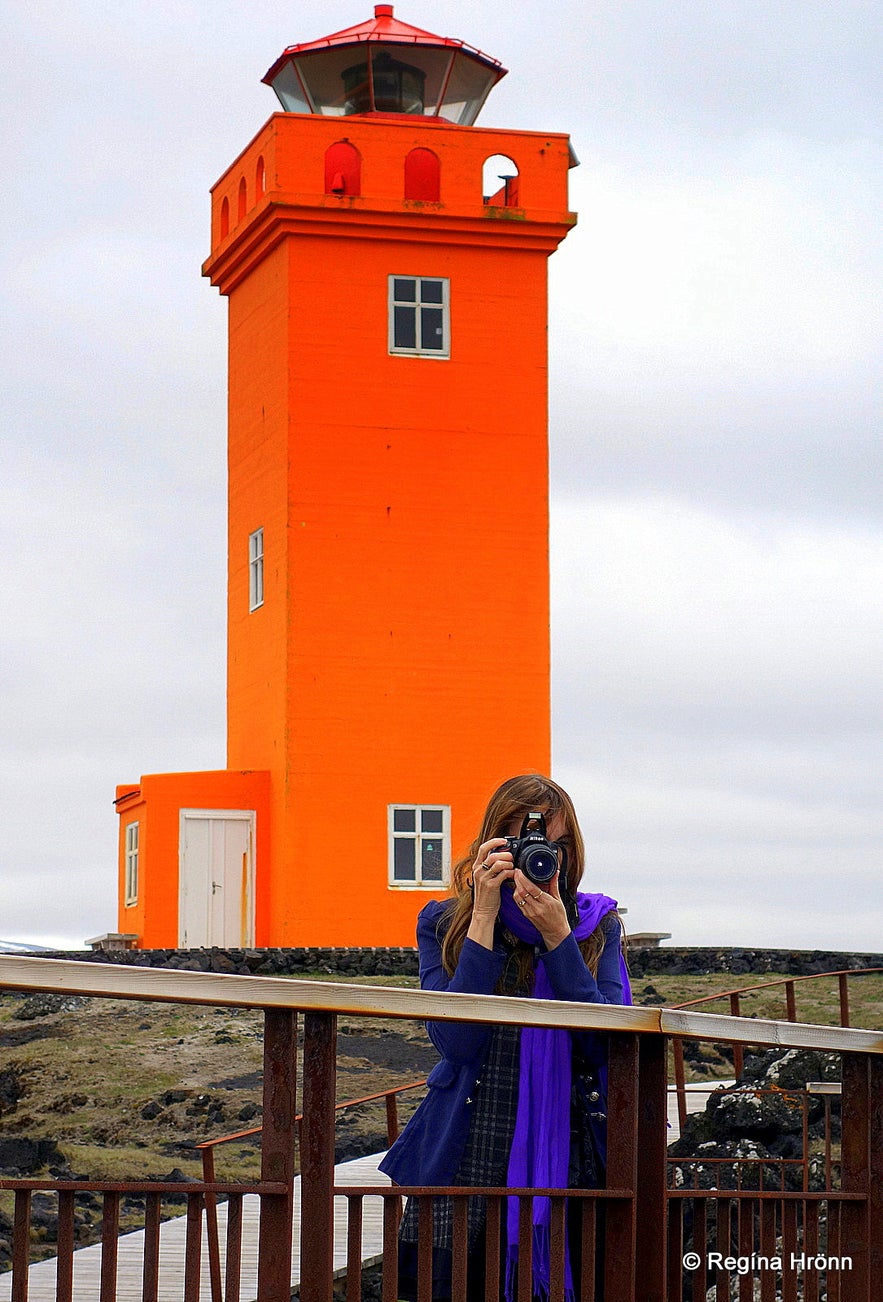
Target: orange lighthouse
x=388 y=604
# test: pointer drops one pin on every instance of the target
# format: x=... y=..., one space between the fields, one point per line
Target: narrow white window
x=419 y=845
x=131 y=864
x=419 y=316
x=256 y=569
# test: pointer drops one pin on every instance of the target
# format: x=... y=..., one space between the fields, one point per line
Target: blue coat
x=429 y=1149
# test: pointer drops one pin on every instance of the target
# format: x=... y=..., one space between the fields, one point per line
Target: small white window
x=419 y=845
x=256 y=569
x=419 y=316
x=131 y=864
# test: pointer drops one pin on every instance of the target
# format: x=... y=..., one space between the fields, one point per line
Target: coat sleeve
x=477 y=973
x=571 y=979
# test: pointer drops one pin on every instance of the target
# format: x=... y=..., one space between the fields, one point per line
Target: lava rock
x=45 y=1004
x=25 y=1156
x=11 y=1089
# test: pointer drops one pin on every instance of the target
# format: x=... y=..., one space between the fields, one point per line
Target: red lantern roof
x=391 y=31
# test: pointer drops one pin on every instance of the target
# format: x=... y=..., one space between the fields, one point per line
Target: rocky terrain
x=761 y=1118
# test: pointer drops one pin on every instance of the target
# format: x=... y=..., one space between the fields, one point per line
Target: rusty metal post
x=790 y=1001
x=277 y=1154
x=64 y=1270
x=192 y=1249
x=652 y=1161
x=392 y=1118
x=317 y=1158
x=233 y=1263
x=875 y=1182
x=110 y=1233
x=675 y=1218
x=150 y=1277
x=211 y=1227
x=622 y=1168
x=843 y=982
x=855 y=1155
x=738 y=1049
x=354 y=1248
x=21 y=1242
x=677 y=1045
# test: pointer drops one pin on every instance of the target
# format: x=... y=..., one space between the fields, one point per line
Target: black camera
x=532 y=852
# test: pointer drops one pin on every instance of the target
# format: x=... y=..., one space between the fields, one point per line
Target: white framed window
x=419 y=316
x=256 y=569
x=132 y=832
x=420 y=845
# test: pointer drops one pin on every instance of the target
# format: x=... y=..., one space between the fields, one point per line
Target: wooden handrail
x=118 y=981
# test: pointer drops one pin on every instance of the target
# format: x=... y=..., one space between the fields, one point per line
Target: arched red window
x=260 y=179
x=243 y=200
x=225 y=218
x=423 y=176
x=343 y=169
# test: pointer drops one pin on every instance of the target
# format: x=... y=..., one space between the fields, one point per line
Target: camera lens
x=539 y=864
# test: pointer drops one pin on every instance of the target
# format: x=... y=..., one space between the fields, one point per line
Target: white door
x=216 y=878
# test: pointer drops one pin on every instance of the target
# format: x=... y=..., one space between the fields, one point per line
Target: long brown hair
x=509 y=803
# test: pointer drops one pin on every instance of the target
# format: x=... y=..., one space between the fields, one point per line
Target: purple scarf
x=540 y=1153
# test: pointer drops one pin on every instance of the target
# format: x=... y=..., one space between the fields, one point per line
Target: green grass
x=817 y=1000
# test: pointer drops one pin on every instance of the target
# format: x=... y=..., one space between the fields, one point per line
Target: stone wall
x=342 y=963
x=337 y=964
x=740 y=961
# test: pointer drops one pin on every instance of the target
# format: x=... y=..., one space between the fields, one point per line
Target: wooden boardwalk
x=87 y=1261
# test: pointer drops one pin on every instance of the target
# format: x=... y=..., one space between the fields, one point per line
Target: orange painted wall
x=156 y=804
x=402 y=652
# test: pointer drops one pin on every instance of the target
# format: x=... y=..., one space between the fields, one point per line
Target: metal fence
x=643 y=1237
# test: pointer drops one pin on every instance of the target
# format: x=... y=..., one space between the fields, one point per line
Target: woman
x=510 y=1106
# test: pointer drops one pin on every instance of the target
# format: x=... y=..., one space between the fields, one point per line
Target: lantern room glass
x=413 y=80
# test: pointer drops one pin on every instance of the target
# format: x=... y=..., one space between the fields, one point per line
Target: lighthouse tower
x=388 y=604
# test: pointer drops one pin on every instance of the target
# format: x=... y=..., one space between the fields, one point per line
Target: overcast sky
x=716 y=329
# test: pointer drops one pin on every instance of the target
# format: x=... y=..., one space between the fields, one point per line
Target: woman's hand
x=492 y=867
x=544 y=908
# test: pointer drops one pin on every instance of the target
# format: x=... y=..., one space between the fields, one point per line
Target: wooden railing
x=788 y=985
x=220 y=1292
x=642 y=1241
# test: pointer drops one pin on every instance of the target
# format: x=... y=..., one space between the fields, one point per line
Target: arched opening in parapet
x=423 y=176
x=260 y=179
x=242 y=205
x=343 y=169
x=499 y=181
x=225 y=218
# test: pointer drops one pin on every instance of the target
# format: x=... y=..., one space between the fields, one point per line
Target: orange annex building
x=388 y=570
